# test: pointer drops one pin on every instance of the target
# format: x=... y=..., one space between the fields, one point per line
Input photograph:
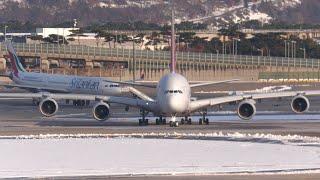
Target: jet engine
x=247 y=109
x=101 y=111
x=48 y=107
x=300 y=104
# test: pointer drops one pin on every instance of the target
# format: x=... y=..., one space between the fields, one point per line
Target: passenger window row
x=112 y=85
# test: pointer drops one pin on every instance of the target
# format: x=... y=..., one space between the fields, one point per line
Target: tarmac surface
x=21 y=117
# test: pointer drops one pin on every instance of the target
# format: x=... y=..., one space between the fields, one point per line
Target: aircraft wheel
x=207 y=121
x=189 y=121
x=200 y=121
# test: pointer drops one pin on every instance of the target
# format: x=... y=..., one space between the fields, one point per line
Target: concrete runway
x=20 y=117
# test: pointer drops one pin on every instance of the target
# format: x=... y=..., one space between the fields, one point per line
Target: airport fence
x=188 y=58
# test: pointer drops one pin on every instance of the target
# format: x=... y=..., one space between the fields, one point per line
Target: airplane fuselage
x=173 y=95
x=74 y=84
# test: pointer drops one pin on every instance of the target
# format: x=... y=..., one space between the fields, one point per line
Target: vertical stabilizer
x=14 y=60
x=173 y=42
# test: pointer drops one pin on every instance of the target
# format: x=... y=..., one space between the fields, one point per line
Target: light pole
x=235 y=45
x=133 y=55
x=285 y=48
x=293 y=48
x=304 y=52
x=261 y=50
x=58 y=37
x=63 y=36
x=5 y=32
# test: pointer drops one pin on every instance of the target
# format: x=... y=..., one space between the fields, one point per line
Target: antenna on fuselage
x=173 y=41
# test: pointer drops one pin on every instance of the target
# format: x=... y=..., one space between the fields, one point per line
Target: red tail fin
x=173 y=43
x=14 y=60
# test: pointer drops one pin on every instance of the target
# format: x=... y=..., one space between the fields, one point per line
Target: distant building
x=45 y=32
x=15 y=37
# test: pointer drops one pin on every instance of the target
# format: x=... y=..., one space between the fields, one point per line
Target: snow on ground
x=52 y=155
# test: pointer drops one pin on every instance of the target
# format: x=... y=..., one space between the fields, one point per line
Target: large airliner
x=42 y=82
x=173 y=99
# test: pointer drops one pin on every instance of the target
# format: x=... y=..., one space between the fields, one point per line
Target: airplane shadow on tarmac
x=113 y=123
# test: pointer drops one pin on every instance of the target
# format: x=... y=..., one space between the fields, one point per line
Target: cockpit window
x=173 y=91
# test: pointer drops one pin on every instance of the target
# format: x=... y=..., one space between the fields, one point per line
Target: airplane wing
x=34 y=88
x=212 y=83
x=132 y=83
x=147 y=105
x=198 y=104
x=139 y=94
x=155 y=86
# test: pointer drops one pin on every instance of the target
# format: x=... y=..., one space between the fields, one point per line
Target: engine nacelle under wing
x=48 y=107
x=247 y=109
x=300 y=104
x=101 y=111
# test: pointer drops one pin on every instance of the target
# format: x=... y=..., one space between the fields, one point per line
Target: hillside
x=214 y=12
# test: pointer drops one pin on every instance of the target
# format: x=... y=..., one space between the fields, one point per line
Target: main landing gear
x=204 y=120
x=143 y=121
x=160 y=121
x=186 y=120
x=79 y=103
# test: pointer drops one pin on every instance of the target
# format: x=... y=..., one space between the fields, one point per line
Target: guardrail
x=183 y=58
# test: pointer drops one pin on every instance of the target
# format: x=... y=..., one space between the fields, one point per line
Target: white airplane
x=42 y=82
x=173 y=99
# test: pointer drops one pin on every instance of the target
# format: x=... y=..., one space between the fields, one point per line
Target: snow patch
x=50 y=157
x=257 y=137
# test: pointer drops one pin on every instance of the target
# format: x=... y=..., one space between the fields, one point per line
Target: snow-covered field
x=77 y=155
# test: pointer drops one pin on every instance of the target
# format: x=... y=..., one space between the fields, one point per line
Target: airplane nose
x=175 y=104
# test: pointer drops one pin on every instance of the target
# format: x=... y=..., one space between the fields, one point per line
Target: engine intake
x=247 y=109
x=300 y=104
x=101 y=111
x=48 y=107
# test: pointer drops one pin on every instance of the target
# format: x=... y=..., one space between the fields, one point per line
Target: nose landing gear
x=173 y=122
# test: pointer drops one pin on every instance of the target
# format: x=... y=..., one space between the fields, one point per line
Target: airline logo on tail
x=14 y=60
